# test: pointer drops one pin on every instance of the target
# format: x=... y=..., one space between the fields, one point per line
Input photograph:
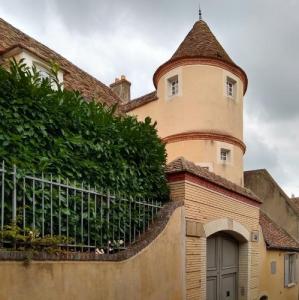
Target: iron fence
x=87 y=217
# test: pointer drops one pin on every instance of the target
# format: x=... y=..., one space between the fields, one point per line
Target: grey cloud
x=260 y=156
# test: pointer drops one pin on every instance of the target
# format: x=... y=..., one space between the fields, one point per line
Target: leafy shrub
x=56 y=131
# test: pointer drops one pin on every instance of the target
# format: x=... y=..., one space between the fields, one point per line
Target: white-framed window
x=231 y=86
x=173 y=86
x=225 y=155
x=290 y=269
x=43 y=71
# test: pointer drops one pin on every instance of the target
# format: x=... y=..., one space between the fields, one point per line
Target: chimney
x=121 y=87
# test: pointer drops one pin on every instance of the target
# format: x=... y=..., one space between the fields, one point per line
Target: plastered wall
x=157 y=272
x=276 y=203
x=200 y=106
x=207 y=153
x=272 y=285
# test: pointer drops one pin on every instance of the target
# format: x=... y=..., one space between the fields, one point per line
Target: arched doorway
x=222 y=267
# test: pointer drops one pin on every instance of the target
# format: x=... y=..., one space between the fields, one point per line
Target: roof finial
x=199 y=13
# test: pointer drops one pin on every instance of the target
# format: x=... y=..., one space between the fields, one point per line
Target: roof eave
x=18 y=48
x=183 y=170
x=131 y=105
x=280 y=248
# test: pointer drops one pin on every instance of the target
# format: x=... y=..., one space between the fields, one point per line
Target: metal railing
x=87 y=217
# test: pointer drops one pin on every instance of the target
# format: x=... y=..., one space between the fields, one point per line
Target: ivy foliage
x=45 y=128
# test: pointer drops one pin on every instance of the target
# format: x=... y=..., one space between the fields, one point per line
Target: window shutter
x=286 y=270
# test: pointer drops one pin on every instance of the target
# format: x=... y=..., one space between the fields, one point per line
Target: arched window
x=264 y=298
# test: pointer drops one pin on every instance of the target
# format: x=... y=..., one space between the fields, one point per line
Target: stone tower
x=198 y=105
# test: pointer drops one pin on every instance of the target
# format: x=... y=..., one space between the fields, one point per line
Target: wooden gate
x=222 y=267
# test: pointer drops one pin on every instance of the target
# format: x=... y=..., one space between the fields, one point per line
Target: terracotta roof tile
x=276 y=237
x=74 y=78
x=201 y=42
x=140 y=101
x=183 y=165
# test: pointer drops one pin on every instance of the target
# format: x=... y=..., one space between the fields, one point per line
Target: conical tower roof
x=201 y=42
x=201 y=46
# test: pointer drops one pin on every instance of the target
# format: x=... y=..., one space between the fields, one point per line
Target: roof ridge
x=142 y=100
x=145 y=95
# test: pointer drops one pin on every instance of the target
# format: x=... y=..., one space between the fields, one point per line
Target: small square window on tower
x=225 y=155
x=231 y=86
x=173 y=86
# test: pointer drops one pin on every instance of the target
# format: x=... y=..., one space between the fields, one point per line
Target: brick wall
x=203 y=205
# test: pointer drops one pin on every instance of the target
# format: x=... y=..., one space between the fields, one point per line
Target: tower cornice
x=204 y=135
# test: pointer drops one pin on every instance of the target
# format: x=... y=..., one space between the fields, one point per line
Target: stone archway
x=229 y=225
x=241 y=235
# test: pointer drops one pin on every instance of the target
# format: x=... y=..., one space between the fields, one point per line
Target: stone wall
x=276 y=204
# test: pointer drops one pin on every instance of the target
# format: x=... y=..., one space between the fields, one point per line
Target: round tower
x=199 y=111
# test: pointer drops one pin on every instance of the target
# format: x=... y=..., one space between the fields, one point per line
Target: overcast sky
x=134 y=37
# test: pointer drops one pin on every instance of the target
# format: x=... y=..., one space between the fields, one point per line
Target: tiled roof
x=201 y=46
x=140 y=101
x=201 y=42
x=183 y=165
x=276 y=237
x=74 y=78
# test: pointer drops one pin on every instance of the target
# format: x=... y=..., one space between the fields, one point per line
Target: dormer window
x=31 y=59
x=173 y=86
x=43 y=72
x=231 y=85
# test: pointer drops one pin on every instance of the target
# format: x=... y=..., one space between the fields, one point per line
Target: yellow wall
x=201 y=105
x=157 y=272
x=203 y=153
x=272 y=285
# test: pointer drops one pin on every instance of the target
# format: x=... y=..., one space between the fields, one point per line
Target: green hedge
x=58 y=132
